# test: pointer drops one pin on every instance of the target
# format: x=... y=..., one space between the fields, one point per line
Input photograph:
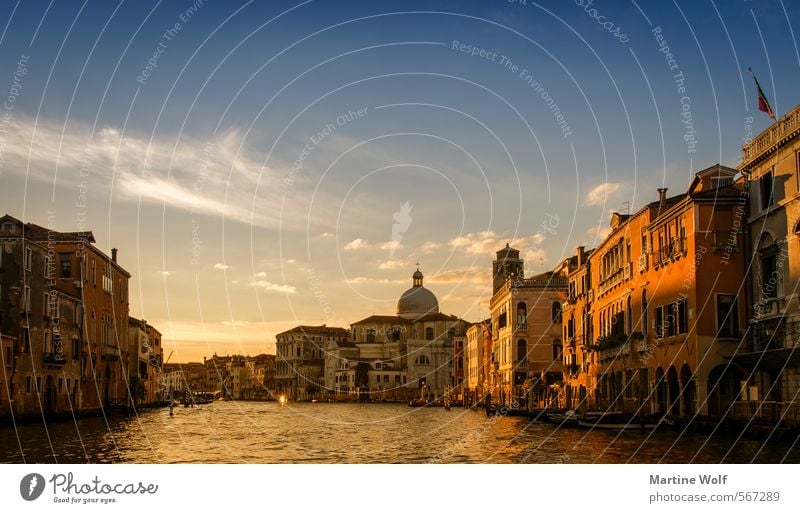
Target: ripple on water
x=249 y=432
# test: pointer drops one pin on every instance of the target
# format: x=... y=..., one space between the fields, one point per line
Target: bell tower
x=507 y=265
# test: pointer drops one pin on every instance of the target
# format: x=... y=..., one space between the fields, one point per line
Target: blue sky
x=224 y=139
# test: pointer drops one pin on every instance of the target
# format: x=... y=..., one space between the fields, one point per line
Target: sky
x=261 y=165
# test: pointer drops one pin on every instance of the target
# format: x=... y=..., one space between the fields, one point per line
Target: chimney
x=581 y=255
x=114 y=255
x=662 y=195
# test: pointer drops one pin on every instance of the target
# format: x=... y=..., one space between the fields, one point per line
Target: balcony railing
x=54 y=358
x=769 y=336
x=768 y=141
x=522 y=327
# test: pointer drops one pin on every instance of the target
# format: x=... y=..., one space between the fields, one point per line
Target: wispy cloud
x=221 y=267
x=601 y=193
x=392 y=245
x=274 y=287
x=391 y=265
x=214 y=177
x=598 y=232
x=487 y=242
x=356 y=244
x=430 y=247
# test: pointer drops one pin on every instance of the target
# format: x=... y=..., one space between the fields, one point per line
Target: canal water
x=255 y=432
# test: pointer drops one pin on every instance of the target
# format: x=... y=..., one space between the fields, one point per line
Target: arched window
x=522 y=313
x=556 y=311
x=644 y=311
x=522 y=351
x=422 y=360
x=557 y=350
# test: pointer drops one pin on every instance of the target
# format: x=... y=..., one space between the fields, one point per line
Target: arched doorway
x=687 y=392
x=673 y=392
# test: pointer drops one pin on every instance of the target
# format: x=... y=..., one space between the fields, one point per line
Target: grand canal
x=251 y=432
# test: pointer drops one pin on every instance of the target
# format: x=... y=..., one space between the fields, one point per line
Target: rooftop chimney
x=581 y=255
x=662 y=195
x=114 y=255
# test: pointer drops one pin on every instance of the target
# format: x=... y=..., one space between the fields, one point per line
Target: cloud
x=221 y=267
x=473 y=274
x=165 y=273
x=356 y=244
x=262 y=274
x=391 y=245
x=430 y=247
x=156 y=170
x=326 y=235
x=598 y=232
x=376 y=281
x=391 y=265
x=600 y=194
x=274 y=287
x=291 y=261
x=488 y=242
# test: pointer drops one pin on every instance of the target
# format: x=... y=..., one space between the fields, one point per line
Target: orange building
x=668 y=302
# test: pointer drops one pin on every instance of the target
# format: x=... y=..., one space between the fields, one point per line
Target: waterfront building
x=145 y=358
x=765 y=374
x=577 y=332
x=477 y=361
x=40 y=325
x=83 y=271
x=667 y=302
x=300 y=360
x=526 y=344
x=406 y=356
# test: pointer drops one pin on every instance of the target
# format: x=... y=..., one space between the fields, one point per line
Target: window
x=428 y=333
x=60 y=385
x=522 y=351
x=28 y=258
x=721 y=181
x=26 y=300
x=9 y=356
x=65 y=269
x=26 y=340
x=76 y=349
x=556 y=312
x=422 y=360
x=672 y=319
x=727 y=316
x=47 y=270
x=27 y=384
x=769 y=274
x=766 y=188
x=659 y=322
x=557 y=350
x=683 y=316
x=501 y=320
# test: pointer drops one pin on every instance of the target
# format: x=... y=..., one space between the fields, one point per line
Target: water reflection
x=249 y=432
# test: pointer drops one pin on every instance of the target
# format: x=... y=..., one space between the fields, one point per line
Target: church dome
x=417 y=301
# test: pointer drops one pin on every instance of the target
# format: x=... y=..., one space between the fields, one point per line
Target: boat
x=619 y=421
x=568 y=418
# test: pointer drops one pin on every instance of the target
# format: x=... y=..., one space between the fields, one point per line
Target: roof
x=437 y=316
x=317 y=330
x=382 y=319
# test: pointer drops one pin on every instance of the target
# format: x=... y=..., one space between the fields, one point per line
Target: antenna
x=627 y=207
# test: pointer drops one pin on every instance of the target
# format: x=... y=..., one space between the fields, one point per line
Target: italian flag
x=763 y=104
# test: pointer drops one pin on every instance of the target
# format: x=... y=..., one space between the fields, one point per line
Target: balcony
x=770 y=140
x=110 y=352
x=522 y=327
x=53 y=358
